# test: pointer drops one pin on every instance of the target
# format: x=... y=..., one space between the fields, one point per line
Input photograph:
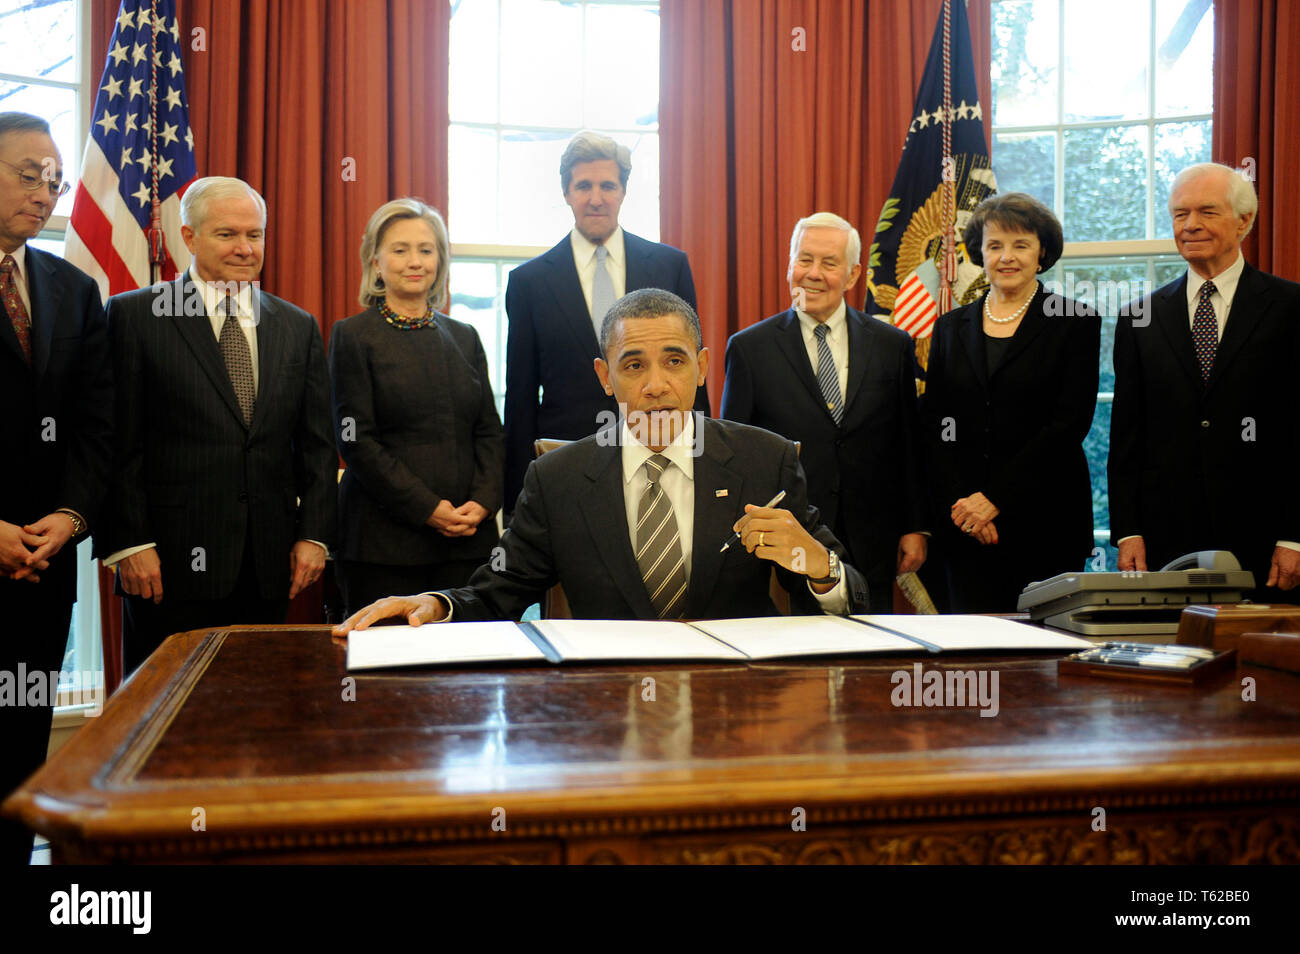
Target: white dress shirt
x=584 y=257
x=1225 y=287
x=837 y=338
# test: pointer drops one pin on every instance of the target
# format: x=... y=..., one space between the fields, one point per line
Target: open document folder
x=723 y=640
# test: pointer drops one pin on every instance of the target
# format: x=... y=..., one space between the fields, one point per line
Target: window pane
x=1185 y=57
x=472 y=175
x=1105 y=184
x=541 y=63
x=1026 y=162
x=472 y=93
x=622 y=81
x=1178 y=145
x=1096 y=446
x=38 y=40
x=474 y=300
x=57 y=107
x=1107 y=50
x=532 y=206
x=1025 y=53
x=640 y=212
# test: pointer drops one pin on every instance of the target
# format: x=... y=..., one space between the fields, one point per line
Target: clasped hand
x=459 y=521
x=974 y=515
x=25 y=552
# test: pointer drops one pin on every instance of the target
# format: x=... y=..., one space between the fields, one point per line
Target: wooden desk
x=248 y=731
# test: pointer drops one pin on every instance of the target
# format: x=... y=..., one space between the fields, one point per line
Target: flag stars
x=118 y=53
x=164 y=168
x=174 y=64
x=173 y=98
x=125 y=20
x=962 y=110
x=144 y=159
x=138 y=52
x=114 y=88
x=126 y=158
x=168 y=134
x=137 y=87
x=923 y=120
x=142 y=194
x=174 y=30
x=130 y=122
x=108 y=122
x=189 y=138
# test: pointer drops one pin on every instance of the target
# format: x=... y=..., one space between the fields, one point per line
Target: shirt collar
x=635 y=454
x=584 y=250
x=1225 y=283
x=835 y=322
x=213 y=295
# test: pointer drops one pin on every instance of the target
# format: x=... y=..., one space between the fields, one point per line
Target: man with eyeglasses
x=56 y=392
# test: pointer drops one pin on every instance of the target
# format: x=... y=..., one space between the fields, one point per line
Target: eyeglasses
x=30 y=181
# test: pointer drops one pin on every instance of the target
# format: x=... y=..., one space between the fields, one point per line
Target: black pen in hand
x=736 y=536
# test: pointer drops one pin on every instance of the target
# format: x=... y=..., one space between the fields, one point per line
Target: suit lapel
x=196 y=330
x=714 y=515
x=1171 y=315
x=970 y=338
x=637 y=253
x=605 y=511
x=45 y=294
x=270 y=354
x=862 y=357
x=796 y=353
x=562 y=276
x=1249 y=305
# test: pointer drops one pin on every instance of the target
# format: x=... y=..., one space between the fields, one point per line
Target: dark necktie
x=827 y=378
x=1205 y=331
x=239 y=359
x=14 y=305
x=659 y=547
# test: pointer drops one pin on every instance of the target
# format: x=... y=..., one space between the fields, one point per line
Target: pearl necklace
x=1010 y=318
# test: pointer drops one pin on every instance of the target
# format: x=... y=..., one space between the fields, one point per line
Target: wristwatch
x=833 y=574
x=78 y=525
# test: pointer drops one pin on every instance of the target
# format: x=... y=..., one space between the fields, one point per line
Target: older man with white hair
x=1205 y=436
x=224 y=487
x=842 y=384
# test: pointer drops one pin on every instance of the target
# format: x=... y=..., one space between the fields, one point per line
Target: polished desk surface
x=263 y=735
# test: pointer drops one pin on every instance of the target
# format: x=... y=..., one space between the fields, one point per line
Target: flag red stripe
x=96 y=232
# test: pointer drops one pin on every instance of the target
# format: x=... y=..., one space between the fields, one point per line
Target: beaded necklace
x=402 y=321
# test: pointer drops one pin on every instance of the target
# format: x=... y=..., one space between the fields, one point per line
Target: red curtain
x=1256 y=111
x=756 y=133
x=329 y=110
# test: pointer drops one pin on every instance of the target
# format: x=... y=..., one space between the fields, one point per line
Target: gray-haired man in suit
x=224 y=492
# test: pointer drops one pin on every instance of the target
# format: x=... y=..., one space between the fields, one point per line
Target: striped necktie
x=827 y=378
x=659 y=546
x=1205 y=331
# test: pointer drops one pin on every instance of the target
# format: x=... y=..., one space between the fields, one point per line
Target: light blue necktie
x=602 y=290
x=827 y=378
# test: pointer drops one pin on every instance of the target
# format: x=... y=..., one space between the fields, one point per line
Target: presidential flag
x=917 y=267
x=125 y=229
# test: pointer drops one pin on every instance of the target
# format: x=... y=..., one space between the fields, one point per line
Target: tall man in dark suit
x=842 y=384
x=56 y=392
x=555 y=304
x=631 y=520
x=1205 y=438
x=224 y=491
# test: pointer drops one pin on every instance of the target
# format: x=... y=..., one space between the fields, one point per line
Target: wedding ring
x=761 y=534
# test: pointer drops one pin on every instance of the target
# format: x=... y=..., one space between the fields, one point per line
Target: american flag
x=139 y=157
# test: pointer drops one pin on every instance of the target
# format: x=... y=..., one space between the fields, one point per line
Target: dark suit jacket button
x=1205 y=423
x=243 y=498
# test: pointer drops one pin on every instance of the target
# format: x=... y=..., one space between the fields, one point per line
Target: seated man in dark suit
x=632 y=520
x=56 y=391
x=1204 y=437
x=556 y=302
